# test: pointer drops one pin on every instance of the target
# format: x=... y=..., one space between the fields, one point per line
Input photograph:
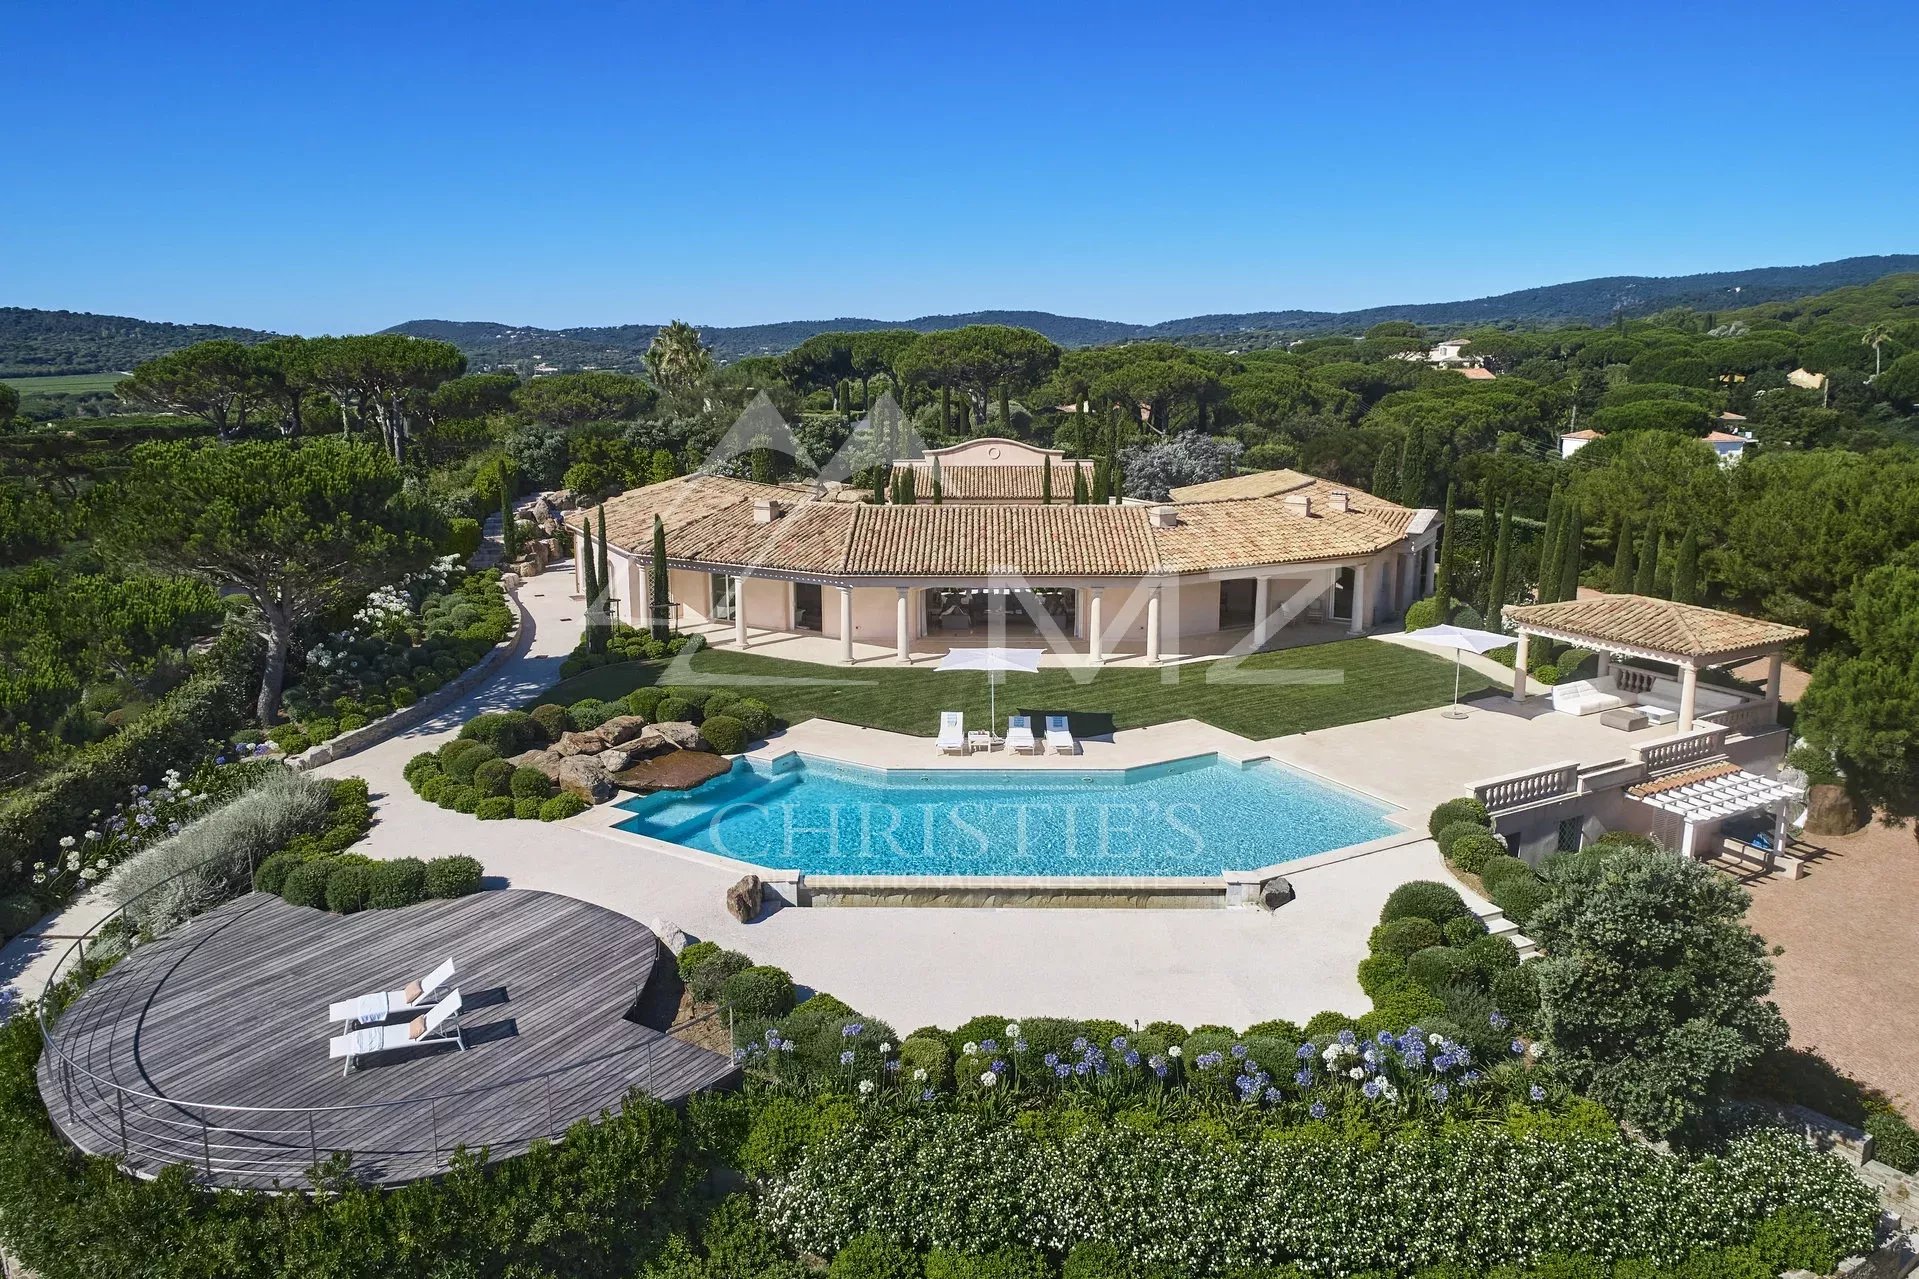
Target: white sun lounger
x=371 y=1009
x=952 y=733
x=1059 y=738
x=440 y=1024
x=1019 y=734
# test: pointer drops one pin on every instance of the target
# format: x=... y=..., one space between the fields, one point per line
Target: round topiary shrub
x=1381 y=973
x=1438 y=966
x=759 y=991
x=270 y=876
x=461 y=763
x=1424 y=899
x=305 y=884
x=1323 y=1025
x=527 y=809
x=352 y=723
x=1403 y=1006
x=1546 y=673
x=674 y=710
x=1422 y=613
x=693 y=955
x=1471 y=852
x=1452 y=832
x=757 y=717
x=1464 y=931
x=694 y=695
x=561 y=807
x=1492 y=955
x=422 y=766
x=724 y=734
x=433 y=789
x=1521 y=898
x=1463 y=809
x=552 y=719
x=709 y=975
x=461 y=799
x=348 y=886
x=427 y=682
x=455 y=876
x=528 y=782
x=319 y=730
x=644 y=701
x=494 y=808
x=1495 y=871
x=492 y=777
x=404 y=696
x=589 y=712
x=930 y=1053
x=400 y=882
x=507 y=732
x=1403 y=938
x=718 y=700
x=1516 y=993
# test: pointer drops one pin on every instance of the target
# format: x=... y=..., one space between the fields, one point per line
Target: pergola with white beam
x=1686 y=636
x=1707 y=796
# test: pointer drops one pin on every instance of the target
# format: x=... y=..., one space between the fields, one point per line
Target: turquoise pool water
x=1191 y=817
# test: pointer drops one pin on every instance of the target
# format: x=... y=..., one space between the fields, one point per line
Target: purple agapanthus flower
x=1371 y=1088
x=846 y=1058
x=1519 y=1046
x=1239 y=1051
x=1306 y=1051
x=851 y=1029
x=1079 y=1045
x=1080 y=1068
x=926 y=1094
x=1050 y=1059
x=1119 y=1043
x=1132 y=1057
x=1440 y=1092
x=1348 y=1038
x=1304 y=1078
x=1317 y=1110
x=1061 y=1069
x=1499 y=1020
x=1536 y=1093
x=1019 y=1045
x=1273 y=1096
x=989 y=1046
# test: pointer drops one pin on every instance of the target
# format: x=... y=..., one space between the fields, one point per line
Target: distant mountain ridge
x=46 y=342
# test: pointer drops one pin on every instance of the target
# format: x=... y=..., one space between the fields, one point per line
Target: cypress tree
x=1622 y=559
x=1385 y=472
x=509 y=530
x=1080 y=494
x=1573 y=526
x=1662 y=575
x=1046 y=480
x=939 y=489
x=1102 y=483
x=656 y=580
x=1648 y=563
x=1412 y=468
x=1685 y=574
x=1488 y=546
x=1502 y=566
x=1549 y=549
x=590 y=575
x=1443 y=581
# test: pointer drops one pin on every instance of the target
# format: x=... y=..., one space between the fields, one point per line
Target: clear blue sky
x=344 y=166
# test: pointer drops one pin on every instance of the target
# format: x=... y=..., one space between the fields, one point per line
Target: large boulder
x=1831 y=810
x=622 y=729
x=674 y=734
x=613 y=759
x=587 y=741
x=671 y=770
x=547 y=761
x=744 y=899
x=582 y=775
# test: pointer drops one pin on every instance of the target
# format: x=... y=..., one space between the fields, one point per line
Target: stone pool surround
x=1130 y=748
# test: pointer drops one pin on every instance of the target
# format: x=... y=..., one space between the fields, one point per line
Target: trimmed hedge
x=759 y=991
x=673 y=710
x=724 y=734
x=455 y=876
x=400 y=882
x=552 y=719
x=1472 y=852
x=561 y=807
x=708 y=975
x=1424 y=899
x=1463 y=809
x=493 y=777
x=507 y=732
x=530 y=783
x=1404 y=937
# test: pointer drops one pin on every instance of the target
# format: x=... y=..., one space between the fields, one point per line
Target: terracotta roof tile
x=998 y=483
x=1037 y=541
x=1685 y=777
x=1242 y=534
x=1662 y=626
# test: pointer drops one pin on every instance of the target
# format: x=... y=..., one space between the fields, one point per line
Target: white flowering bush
x=1473 y=1196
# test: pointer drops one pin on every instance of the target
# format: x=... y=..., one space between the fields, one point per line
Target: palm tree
x=1876 y=336
x=677 y=360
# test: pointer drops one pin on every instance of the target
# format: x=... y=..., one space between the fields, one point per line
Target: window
x=1571 y=833
x=725 y=601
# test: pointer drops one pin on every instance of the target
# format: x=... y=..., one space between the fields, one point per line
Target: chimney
x=765 y=510
x=1340 y=500
x=1164 y=516
x=1300 y=503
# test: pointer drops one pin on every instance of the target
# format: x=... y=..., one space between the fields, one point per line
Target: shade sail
x=1461 y=637
x=991 y=659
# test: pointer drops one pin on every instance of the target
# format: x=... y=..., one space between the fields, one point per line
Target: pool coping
x=1237 y=888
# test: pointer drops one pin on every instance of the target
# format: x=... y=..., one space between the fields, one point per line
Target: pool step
x=679 y=817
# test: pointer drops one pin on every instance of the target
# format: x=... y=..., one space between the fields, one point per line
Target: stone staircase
x=490 y=551
x=1497 y=925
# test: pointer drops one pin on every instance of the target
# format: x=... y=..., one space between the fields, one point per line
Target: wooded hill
x=43 y=342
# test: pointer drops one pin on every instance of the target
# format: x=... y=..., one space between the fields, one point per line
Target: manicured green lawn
x=1291 y=691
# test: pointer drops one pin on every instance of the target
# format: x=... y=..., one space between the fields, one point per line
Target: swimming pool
x=1190 y=817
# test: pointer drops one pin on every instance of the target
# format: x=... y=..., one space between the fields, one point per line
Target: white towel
x=370 y=1010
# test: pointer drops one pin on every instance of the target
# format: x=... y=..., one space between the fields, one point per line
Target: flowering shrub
x=1198 y=1203
x=407 y=640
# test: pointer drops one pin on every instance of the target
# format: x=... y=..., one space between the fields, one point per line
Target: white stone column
x=1152 y=627
x=1096 y=627
x=739 y=611
x=1775 y=670
x=1688 y=696
x=1519 y=668
x=1262 y=605
x=902 y=638
x=1362 y=602
x=579 y=567
x=846 y=624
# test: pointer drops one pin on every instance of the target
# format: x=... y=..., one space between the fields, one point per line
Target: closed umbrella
x=990 y=660
x=1460 y=639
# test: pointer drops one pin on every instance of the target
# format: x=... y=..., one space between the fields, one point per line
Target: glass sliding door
x=725 y=601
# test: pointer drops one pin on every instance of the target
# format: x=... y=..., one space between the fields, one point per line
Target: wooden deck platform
x=209 y=1046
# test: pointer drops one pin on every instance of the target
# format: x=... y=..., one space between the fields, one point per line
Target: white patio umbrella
x=990 y=660
x=1460 y=639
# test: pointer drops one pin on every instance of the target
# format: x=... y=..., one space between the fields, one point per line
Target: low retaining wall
x=432 y=704
x=1088 y=892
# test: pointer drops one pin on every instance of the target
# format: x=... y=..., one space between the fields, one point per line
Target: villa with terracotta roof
x=1221 y=566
